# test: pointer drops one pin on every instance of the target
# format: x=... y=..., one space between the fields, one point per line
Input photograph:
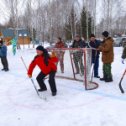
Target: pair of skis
x=41 y=97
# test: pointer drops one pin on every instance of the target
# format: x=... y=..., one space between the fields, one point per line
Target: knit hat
x=92 y=35
x=1 y=41
x=40 y=48
x=105 y=34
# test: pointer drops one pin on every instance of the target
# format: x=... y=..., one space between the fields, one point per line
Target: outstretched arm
x=31 y=68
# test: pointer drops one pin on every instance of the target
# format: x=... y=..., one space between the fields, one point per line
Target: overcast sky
x=4 y=11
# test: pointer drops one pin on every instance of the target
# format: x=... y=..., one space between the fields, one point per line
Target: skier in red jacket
x=47 y=65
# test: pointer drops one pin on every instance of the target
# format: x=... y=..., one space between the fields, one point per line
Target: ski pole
x=120 y=83
x=30 y=78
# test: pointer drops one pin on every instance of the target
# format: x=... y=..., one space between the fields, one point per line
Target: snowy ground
x=73 y=106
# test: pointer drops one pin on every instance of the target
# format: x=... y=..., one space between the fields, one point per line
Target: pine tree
x=84 y=23
x=90 y=27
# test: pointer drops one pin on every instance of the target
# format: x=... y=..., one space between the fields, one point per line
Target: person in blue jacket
x=3 y=56
x=94 y=44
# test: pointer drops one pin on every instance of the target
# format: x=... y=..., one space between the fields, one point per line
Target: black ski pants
x=40 y=79
x=4 y=62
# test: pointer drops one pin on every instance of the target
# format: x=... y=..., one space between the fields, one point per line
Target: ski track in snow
x=73 y=106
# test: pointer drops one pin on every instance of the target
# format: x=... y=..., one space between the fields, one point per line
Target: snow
x=73 y=106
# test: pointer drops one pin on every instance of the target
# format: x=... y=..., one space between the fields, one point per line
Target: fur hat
x=105 y=34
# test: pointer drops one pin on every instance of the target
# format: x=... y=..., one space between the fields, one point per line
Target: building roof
x=10 y=32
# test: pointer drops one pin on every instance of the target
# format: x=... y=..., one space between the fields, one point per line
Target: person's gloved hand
x=53 y=54
x=123 y=61
x=99 y=48
x=30 y=76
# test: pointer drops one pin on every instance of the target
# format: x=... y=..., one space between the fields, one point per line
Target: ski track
x=73 y=106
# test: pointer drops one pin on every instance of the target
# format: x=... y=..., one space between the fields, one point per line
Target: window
x=20 y=35
x=25 y=34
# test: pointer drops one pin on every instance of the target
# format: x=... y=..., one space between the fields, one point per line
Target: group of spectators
x=48 y=63
x=105 y=47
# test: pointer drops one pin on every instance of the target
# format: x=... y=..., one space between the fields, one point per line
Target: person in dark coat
x=107 y=56
x=48 y=66
x=94 y=44
x=77 y=55
x=124 y=52
x=3 y=56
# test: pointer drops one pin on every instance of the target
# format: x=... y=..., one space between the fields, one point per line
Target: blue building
x=23 y=35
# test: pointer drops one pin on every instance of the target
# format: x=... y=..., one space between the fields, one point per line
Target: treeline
x=64 y=18
x=47 y=19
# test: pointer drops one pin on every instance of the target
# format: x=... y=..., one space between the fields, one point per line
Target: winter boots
x=107 y=73
x=41 y=90
x=54 y=93
x=109 y=80
x=6 y=70
x=96 y=76
x=106 y=79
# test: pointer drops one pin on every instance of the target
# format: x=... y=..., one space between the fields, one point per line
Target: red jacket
x=39 y=61
x=60 y=44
